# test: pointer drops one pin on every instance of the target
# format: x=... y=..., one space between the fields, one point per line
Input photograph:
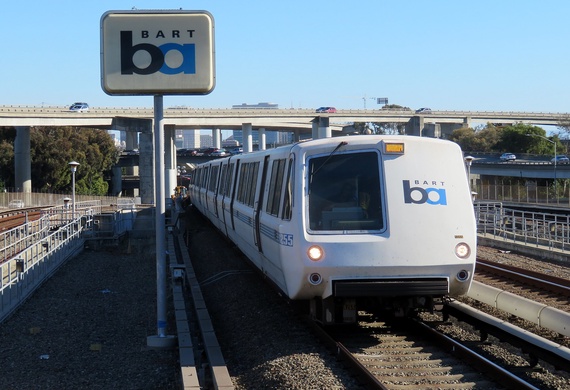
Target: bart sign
x=157 y=52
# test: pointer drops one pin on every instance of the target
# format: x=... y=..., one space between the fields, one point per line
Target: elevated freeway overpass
x=299 y=121
x=271 y=119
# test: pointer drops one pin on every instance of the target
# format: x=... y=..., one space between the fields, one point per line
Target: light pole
x=73 y=165
x=555 y=159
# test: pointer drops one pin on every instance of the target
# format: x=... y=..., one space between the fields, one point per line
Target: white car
x=79 y=107
x=508 y=157
x=219 y=153
x=561 y=159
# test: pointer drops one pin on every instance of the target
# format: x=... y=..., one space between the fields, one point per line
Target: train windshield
x=344 y=192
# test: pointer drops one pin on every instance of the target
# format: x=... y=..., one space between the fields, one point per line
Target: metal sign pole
x=161 y=339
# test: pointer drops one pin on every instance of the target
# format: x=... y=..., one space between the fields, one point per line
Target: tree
x=480 y=140
x=52 y=148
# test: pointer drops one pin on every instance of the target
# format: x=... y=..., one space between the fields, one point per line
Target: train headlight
x=462 y=250
x=315 y=253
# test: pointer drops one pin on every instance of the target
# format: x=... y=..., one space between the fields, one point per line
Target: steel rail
x=537 y=279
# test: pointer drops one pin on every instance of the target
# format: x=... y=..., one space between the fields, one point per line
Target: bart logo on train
x=421 y=195
x=186 y=51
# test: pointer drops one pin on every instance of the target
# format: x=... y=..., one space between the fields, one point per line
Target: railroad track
x=530 y=279
x=417 y=354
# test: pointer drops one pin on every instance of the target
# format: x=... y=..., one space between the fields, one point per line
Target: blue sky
x=447 y=55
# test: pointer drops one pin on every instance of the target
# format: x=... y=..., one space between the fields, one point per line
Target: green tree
x=514 y=138
x=479 y=140
x=51 y=150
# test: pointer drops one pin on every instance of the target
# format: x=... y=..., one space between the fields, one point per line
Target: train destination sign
x=157 y=52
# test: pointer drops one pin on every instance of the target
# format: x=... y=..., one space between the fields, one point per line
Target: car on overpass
x=508 y=157
x=79 y=107
x=423 y=110
x=560 y=159
x=330 y=110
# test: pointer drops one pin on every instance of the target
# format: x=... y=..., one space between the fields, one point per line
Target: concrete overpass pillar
x=22 y=161
x=296 y=136
x=324 y=127
x=146 y=162
x=247 y=137
x=117 y=182
x=262 y=140
x=467 y=122
x=315 y=129
x=217 y=138
x=131 y=142
x=415 y=126
x=170 y=170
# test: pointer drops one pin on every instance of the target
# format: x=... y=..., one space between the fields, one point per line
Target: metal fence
x=28 y=199
x=20 y=276
x=550 y=195
x=526 y=227
x=32 y=252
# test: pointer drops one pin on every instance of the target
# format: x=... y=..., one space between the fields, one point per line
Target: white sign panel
x=157 y=52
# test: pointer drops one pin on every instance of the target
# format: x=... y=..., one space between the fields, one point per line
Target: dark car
x=331 y=110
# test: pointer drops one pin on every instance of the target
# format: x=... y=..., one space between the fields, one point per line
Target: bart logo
x=421 y=195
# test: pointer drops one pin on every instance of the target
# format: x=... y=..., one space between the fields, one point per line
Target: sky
x=485 y=55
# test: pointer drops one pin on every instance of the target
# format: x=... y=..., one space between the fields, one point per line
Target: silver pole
x=160 y=216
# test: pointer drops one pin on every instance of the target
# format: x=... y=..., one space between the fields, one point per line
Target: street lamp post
x=73 y=165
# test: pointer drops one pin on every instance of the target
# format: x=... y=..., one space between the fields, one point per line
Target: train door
x=259 y=205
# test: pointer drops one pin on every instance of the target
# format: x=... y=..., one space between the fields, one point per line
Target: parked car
x=561 y=159
x=331 y=110
x=79 y=107
x=423 y=110
x=219 y=153
x=207 y=151
x=508 y=157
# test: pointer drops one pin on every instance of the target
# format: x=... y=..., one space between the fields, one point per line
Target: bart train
x=347 y=223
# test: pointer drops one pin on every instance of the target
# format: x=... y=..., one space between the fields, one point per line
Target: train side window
x=275 y=186
x=242 y=183
x=248 y=183
x=253 y=183
x=223 y=177
x=288 y=198
x=204 y=177
x=230 y=177
x=213 y=178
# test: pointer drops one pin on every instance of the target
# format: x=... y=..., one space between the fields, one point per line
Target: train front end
x=388 y=225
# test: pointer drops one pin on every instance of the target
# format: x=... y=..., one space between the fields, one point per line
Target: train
x=343 y=224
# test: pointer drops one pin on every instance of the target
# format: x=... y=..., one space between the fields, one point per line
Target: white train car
x=349 y=222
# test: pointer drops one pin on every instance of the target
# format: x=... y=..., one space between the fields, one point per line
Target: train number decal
x=286 y=239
